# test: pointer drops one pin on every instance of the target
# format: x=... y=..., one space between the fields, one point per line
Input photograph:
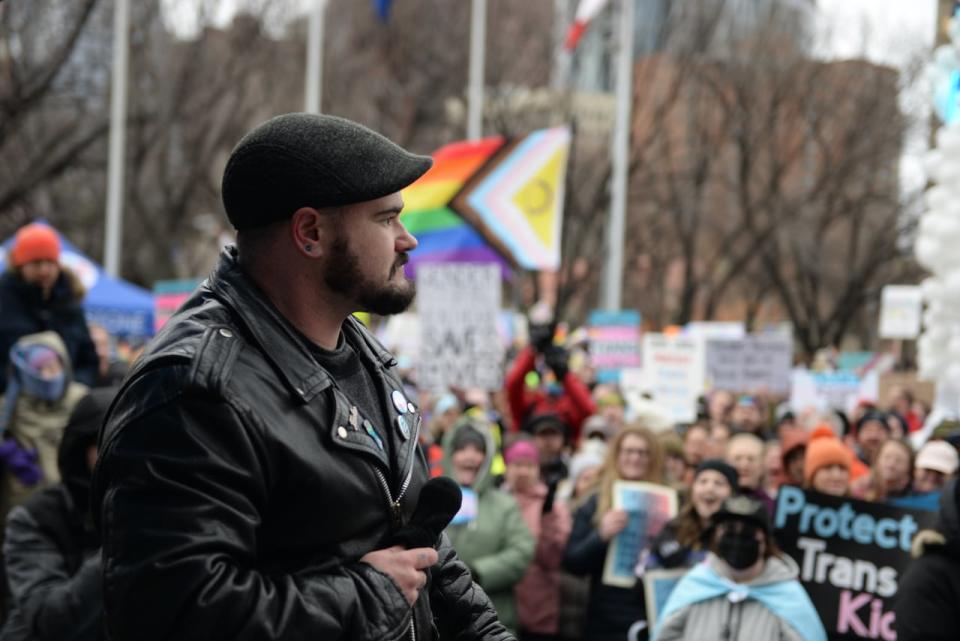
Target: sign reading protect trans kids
x=851 y=554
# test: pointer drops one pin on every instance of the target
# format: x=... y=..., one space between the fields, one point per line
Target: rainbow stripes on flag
x=491 y=200
x=443 y=235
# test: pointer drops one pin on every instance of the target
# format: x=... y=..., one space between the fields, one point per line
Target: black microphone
x=439 y=502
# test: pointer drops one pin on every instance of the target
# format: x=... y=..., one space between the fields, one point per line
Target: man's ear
x=306 y=230
x=313 y=229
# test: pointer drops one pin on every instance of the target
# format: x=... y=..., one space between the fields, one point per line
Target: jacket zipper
x=394 y=503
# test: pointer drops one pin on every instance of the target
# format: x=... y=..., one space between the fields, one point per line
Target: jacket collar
x=280 y=342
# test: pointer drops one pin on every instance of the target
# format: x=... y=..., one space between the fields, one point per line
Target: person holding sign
x=745 y=590
x=634 y=455
x=826 y=466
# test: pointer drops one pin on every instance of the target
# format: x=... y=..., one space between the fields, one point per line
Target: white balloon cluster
x=936 y=248
x=937 y=245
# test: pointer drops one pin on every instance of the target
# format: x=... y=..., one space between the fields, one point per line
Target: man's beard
x=343 y=277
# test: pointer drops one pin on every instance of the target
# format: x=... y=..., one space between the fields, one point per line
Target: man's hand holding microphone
x=414 y=549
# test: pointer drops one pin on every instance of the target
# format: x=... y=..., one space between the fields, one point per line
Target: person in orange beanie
x=38 y=294
x=826 y=466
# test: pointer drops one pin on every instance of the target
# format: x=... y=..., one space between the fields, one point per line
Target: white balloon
x=952 y=374
x=945 y=56
x=938 y=197
x=931 y=161
x=930 y=287
x=926 y=250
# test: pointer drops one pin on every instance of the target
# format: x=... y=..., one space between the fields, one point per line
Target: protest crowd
x=381 y=416
x=582 y=499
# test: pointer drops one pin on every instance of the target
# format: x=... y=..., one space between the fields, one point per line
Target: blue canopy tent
x=121 y=308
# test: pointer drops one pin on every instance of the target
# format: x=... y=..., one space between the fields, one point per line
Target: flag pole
x=478 y=29
x=620 y=157
x=314 y=81
x=560 y=74
x=118 y=116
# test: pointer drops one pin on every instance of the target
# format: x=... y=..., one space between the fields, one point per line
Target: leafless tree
x=48 y=121
x=764 y=183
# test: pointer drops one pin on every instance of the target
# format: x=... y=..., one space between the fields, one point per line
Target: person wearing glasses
x=633 y=455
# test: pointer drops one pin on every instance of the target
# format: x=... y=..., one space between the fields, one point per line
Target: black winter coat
x=236 y=499
x=611 y=610
x=51 y=554
x=23 y=311
x=927 y=599
x=53 y=575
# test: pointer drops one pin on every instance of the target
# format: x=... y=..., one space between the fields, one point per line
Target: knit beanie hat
x=35 y=242
x=873 y=415
x=522 y=451
x=467 y=435
x=718 y=465
x=823 y=449
x=546 y=421
x=582 y=462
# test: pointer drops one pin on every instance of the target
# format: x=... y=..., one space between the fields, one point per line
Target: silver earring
x=308 y=247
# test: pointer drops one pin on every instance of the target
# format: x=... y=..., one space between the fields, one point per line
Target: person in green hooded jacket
x=488 y=533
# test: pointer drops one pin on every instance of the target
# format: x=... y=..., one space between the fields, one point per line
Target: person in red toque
x=38 y=294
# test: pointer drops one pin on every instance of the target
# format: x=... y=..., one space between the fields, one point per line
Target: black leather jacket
x=236 y=499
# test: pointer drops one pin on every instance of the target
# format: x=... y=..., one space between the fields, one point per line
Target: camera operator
x=565 y=395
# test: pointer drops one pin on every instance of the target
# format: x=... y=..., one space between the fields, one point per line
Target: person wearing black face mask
x=745 y=590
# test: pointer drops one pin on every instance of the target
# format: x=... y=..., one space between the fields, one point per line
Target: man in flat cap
x=261 y=455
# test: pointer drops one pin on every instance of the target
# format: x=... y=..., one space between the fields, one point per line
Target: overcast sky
x=889 y=30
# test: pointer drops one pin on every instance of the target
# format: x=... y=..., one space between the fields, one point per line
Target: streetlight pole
x=620 y=157
x=118 y=117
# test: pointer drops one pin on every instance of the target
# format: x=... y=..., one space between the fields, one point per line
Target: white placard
x=755 y=363
x=901 y=308
x=716 y=329
x=459 y=307
x=674 y=373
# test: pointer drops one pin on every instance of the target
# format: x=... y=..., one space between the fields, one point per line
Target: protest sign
x=401 y=334
x=614 y=342
x=922 y=390
x=730 y=330
x=831 y=390
x=750 y=364
x=901 y=308
x=673 y=373
x=459 y=308
x=649 y=507
x=168 y=296
x=469 y=507
x=856 y=362
x=851 y=554
x=657 y=586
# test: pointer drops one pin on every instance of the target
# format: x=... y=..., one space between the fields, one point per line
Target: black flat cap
x=742 y=508
x=308 y=160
